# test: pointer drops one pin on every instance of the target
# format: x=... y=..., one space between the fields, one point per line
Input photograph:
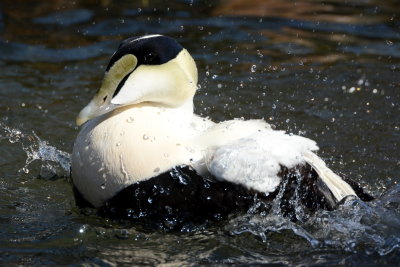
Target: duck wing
x=256 y=161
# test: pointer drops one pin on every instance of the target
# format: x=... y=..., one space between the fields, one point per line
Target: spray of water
x=53 y=162
x=354 y=226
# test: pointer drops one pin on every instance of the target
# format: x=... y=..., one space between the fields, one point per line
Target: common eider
x=143 y=154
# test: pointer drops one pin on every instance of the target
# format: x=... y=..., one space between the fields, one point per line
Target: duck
x=142 y=152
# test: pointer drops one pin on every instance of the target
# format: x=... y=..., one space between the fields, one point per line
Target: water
x=328 y=71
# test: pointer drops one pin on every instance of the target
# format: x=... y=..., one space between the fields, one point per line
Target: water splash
x=356 y=226
x=53 y=162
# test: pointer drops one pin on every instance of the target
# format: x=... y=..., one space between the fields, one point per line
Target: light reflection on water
x=328 y=71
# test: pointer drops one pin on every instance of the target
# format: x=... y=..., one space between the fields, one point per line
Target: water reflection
x=332 y=11
x=326 y=70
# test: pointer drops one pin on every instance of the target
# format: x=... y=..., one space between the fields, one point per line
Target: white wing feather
x=339 y=188
x=254 y=161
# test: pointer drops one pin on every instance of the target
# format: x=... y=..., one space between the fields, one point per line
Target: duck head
x=152 y=68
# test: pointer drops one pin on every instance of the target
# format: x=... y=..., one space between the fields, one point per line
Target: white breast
x=135 y=144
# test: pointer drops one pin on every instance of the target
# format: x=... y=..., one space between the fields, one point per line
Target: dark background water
x=326 y=70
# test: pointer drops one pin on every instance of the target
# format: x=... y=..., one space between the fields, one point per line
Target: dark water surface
x=325 y=70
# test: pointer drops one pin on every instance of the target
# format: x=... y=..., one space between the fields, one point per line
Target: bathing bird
x=142 y=152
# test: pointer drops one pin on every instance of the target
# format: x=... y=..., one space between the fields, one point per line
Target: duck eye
x=104 y=99
x=150 y=57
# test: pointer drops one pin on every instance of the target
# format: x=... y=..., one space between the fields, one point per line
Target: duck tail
x=338 y=187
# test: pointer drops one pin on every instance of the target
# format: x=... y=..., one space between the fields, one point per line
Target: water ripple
x=20 y=52
x=66 y=18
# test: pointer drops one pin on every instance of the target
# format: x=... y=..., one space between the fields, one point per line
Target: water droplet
x=129 y=120
x=214 y=76
x=150 y=200
x=15 y=136
x=170 y=223
x=182 y=180
x=118 y=144
x=158 y=189
x=103 y=186
x=122 y=234
x=168 y=209
x=253 y=68
x=145 y=137
x=219 y=86
x=82 y=229
x=388 y=42
x=25 y=170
